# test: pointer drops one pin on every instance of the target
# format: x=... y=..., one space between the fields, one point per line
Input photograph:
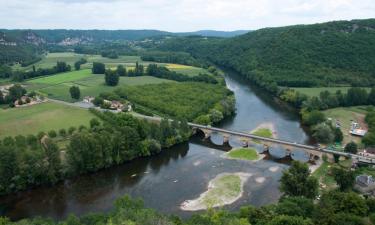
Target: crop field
x=49 y=60
x=187 y=70
x=89 y=84
x=316 y=91
x=182 y=100
x=41 y=117
x=62 y=77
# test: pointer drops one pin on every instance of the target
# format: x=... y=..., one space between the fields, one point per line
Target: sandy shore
x=200 y=204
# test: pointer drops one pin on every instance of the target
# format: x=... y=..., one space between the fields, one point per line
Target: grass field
x=316 y=91
x=89 y=84
x=243 y=153
x=263 y=132
x=346 y=115
x=63 y=77
x=41 y=117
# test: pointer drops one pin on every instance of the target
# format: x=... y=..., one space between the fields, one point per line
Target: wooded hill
x=334 y=53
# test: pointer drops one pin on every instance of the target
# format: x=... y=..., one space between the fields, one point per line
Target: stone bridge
x=313 y=151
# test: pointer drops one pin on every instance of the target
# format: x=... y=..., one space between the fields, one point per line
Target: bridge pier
x=226 y=139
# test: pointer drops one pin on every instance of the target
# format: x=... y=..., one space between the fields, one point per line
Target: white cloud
x=178 y=15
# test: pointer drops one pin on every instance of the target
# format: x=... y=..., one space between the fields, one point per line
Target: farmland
x=49 y=60
x=41 y=117
x=57 y=86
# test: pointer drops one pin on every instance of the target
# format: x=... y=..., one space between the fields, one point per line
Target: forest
x=327 y=54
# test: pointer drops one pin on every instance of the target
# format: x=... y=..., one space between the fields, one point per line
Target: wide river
x=177 y=174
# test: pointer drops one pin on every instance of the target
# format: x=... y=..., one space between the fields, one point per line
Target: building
x=88 y=99
x=365 y=184
x=356 y=130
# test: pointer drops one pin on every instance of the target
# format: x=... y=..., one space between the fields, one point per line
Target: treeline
x=36 y=159
x=369 y=139
x=151 y=70
x=15 y=93
x=23 y=75
x=353 y=97
x=297 y=206
x=183 y=58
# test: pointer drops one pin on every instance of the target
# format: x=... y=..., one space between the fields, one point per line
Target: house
x=365 y=183
x=356 y=130
x=88 y=99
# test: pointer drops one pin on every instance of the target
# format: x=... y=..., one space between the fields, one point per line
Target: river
x=177 y=174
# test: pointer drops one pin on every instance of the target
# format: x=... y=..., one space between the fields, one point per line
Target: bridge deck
x=360 y=158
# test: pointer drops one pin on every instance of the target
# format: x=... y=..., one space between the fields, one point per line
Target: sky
x=177 y=15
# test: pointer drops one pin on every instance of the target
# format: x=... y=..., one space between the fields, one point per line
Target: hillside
x=215 y=33
x=327 y=54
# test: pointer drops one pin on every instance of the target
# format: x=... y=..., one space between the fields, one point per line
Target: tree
x=296 y=181
x=312 y=118
x=216 y=116
x=52 y=134
x=338 y=135
x=323 y=133
x=77 y=65
x=16 y=92
x=75 y=92
x=344 y=178
x=351 y=147
x=111 y=78
x=94 y=123
x=62 y=67
x=98 y=68
x=371 y=97
x=121 y=71
x=62 y=132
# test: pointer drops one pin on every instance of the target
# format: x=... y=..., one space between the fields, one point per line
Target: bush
x=52 y=134
x=62 y=132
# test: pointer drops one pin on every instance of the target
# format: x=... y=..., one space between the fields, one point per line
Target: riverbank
x=224 y=189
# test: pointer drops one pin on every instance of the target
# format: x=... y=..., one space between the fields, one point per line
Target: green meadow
x=316 y=91
x=243 y=153
x=57 y=86
x=41 y=117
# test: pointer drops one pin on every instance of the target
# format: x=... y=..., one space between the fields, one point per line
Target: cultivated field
x=49 y=60
x=57 y=86
x=41 y=117
x=316 y=91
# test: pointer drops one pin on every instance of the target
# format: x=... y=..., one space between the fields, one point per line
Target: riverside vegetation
x=296 y=207
x=112 y=140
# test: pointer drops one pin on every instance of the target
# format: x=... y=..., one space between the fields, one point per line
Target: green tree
x=94 y=123
x=312 y=118
x=52 y=134
x=98 y=68
x=75 y=92
x=16 y=92
x=345 y=179
x=338 y=135
x=296 y=181
x=53 y=159
x=111 y=78
x=323 y=133
x=121 y=70
x=351 y=147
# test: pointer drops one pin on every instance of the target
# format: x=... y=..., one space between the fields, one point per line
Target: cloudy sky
x=177 y=15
